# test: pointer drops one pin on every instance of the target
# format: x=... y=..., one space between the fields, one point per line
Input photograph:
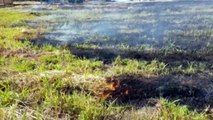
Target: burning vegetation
x=115 y=89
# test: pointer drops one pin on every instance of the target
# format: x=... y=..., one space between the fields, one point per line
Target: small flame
x=127 y=92
x=114 y=89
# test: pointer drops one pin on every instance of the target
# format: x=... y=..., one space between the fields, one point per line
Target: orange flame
x=114 y=89
x=127 y=92
x=111 y=87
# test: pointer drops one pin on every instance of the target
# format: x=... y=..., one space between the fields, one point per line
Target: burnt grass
x=175 y=33
x=141 y=91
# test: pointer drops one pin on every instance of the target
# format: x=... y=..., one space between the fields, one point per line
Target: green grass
x=129 y=66
x=170 y=110
x=165 y=110
x=47 y=82
x=12 y=19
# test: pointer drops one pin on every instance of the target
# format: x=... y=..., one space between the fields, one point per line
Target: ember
x=116 y=89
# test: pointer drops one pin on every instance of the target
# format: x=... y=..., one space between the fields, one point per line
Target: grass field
x=40 y=79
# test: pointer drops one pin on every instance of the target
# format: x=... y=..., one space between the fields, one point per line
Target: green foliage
x=3 y=61
x=129 y=66
x=78 y=106
x=10 y=18
x=49 y=62
x=7 y=97
x=23 y=65
x=190 y=69
x=171 y=111
x=7 y=38
x=49 y=48
x=85 y=66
